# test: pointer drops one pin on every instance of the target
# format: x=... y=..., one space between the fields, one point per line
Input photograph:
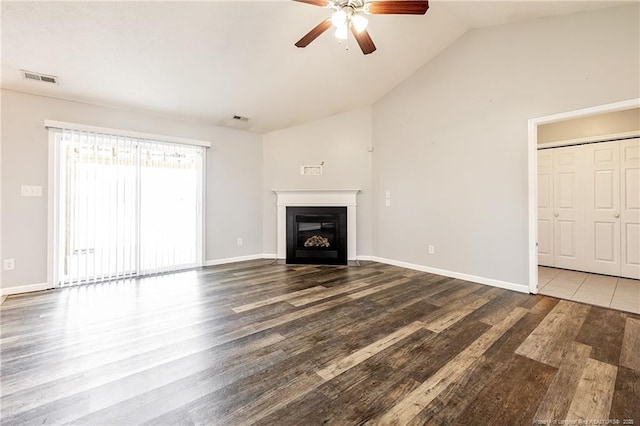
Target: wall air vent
x=240 y=118
x=39 y=77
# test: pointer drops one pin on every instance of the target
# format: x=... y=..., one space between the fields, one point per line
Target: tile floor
x=601 y=290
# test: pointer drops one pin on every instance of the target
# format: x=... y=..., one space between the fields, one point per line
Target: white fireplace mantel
x=316 y=198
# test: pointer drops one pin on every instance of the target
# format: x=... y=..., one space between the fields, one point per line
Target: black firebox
x=317 y=235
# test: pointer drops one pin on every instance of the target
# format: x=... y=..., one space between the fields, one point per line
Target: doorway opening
x=533 y=172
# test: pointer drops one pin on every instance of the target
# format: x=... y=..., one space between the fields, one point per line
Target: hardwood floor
x=256 y=342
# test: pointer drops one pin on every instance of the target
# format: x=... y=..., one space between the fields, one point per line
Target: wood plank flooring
x=263 y=343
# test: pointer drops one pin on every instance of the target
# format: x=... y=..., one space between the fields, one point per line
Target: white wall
x=451 y=141
x=233 y=185
x=342 y=142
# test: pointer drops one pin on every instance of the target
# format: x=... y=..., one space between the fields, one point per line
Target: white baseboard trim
x=473 y=278
x=7 y=291
x=367 y=258
x=466 y=277
x=232 y=260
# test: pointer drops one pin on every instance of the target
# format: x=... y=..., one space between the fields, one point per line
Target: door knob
x=616 y=215
x=556 y=214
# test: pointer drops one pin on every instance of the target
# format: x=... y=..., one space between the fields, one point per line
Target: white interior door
x=602 y=208
x=568 y=208
x=545 y=208
x=630 y=207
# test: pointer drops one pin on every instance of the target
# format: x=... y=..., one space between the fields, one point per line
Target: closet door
x=602 y=212
x=545 y=208
x=568 y=208
x=630 y=207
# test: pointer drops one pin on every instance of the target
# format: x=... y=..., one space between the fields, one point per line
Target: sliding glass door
x=125 y=206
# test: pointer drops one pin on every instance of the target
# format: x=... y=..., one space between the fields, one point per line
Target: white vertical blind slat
x=77 y=197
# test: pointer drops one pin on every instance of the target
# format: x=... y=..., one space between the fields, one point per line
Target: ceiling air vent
x=39 y=77
x=240 y=118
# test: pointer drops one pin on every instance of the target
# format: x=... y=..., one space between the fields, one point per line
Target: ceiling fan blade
x=364 y=41
x=314 y=33
x=401 y=7
x=321 y=3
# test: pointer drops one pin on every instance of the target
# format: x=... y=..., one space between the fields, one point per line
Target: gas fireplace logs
x=317 y=241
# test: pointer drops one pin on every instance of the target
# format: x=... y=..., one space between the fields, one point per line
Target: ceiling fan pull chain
x=346 y=42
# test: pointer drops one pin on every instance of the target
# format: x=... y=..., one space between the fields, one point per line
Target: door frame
x=533 y=171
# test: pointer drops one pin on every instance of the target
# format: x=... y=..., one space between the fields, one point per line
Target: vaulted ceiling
x=208 y=61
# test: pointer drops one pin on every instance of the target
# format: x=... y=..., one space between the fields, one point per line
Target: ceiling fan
x=349 y=15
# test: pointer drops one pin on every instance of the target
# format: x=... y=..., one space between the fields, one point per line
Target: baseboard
x=473 y=278
x=368 y=258
x=232 y=260
x=466 y=277
x=7 y=291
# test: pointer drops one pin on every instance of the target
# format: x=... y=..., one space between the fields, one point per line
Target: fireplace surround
x=316 y=198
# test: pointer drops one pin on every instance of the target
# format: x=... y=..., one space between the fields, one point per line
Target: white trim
x=591 y=139
x=367 y=258
x=522 y=288
x=533 y=172
x=215 y=262
x=466 y=277
x=52 y=211
x=53 y=124
x=26 y=288
x=316 y=191
x=532 y=240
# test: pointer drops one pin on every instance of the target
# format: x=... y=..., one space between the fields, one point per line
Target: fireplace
x=317 y=235
x=316 y=198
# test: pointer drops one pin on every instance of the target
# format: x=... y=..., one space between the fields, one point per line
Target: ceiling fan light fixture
x=339 y=18
x=342 y=32
x=359 y=23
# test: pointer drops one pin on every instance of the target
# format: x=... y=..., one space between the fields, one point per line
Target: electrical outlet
x=387 y=194
x=9 y=264
x=432 y=249
x=387 y=202
x=239 y=241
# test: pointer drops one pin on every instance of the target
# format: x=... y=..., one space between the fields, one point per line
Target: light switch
x=387 y=202
x=387 y=194
x=31 y=191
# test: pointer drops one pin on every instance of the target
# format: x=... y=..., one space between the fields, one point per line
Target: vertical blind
x=126 y=206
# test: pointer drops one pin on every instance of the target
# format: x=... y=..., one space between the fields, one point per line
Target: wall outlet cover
x=9 y=264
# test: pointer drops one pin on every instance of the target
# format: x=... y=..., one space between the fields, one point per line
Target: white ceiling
x=208 y=61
